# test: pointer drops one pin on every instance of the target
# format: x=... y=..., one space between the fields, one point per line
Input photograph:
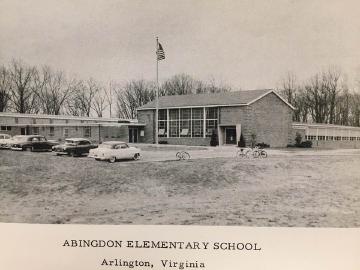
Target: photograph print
x=236 y=113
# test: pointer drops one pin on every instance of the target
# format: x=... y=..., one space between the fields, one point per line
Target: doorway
x=230 y=135
x=133 y=135
x=25 y=131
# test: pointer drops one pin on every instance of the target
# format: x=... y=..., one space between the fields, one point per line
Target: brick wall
x=147 y=118
x=114 y=133
x=271 y=120
x=187 y=141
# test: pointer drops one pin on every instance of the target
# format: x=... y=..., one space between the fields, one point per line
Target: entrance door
x=230 y=135
x=133 y=135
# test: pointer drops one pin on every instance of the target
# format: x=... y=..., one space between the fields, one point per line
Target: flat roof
x=66 y=117
x=321 y=125
x=78 y=125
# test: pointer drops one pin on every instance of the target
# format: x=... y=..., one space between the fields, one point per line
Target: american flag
x=160 y=52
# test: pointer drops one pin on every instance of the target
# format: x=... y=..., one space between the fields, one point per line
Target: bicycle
x=244 y=152
x=182 y=155
x=259 y=153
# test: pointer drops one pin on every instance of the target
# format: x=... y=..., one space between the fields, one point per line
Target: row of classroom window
x=187 y=122
x=51 y=121
x=36 y=131
x=331 y=138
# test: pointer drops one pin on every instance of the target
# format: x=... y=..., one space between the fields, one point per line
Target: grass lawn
x=317 y=190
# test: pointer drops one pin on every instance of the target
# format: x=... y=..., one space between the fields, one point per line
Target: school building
x=59 y=127
x=262 y=115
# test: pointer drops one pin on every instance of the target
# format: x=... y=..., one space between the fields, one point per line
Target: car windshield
x=71 y=142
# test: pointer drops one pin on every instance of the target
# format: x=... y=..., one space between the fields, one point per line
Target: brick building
x=59 y=127
x=328 y=136
x=192 y=119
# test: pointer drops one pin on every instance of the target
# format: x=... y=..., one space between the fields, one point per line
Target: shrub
x=291 y=145
x=253 y=139
x=263 y=145
x=298 y=139
x=214 y=141
x=306 y=144
x=163 y=142
x=241 y=143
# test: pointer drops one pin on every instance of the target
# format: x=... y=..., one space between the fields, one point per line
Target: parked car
x=30 y=143
x=74 y=147
x=115 y=150
x=5 y=140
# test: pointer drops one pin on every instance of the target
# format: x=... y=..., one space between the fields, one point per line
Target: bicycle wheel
x=178 y=155
x=240 y=153
x=256 y=154
x=247 y=153
x=185 y=155
x=263 y=154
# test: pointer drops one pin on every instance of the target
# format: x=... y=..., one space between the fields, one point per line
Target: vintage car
x=115 y=150
x=30 y=143
x=5 y=140
x=74 y=147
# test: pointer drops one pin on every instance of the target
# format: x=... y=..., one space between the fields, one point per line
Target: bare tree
x=81 y=102
x=289 y=87
x=331 y=79
x=52 y=90
x=180 y=84
x=133 y=95
x=5 y=88
x=109 y=95
x=23 y=99
x=99 y=103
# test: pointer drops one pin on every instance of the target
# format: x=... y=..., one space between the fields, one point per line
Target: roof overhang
x=79 y=125
x=222 y=105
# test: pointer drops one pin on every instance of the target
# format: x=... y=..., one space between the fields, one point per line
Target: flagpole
x=157 y=95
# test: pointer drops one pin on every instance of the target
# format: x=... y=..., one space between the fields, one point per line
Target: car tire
x=137 y=156
x=72 y=154
x=112 y=159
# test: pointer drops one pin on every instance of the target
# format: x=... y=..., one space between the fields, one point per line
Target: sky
x=248 y=44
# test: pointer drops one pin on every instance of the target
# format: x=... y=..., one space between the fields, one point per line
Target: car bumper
x=5 y=146
x=16 y=148
x=99 y=157
x=60 y=153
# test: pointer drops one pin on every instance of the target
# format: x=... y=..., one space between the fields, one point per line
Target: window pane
x=162 y=115
x=197 y=128
x=185 y=114
x=174 y=114
x=211 y=113
x=211 y=125
x=162 y=129
x=185 y=129
x=197 y=113
x=174 y=128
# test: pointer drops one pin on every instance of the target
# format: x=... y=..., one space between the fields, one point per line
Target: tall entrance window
x=211 y=120
x=174 y=123
x=197 y=122
x=162 y=121
x=187 y=122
